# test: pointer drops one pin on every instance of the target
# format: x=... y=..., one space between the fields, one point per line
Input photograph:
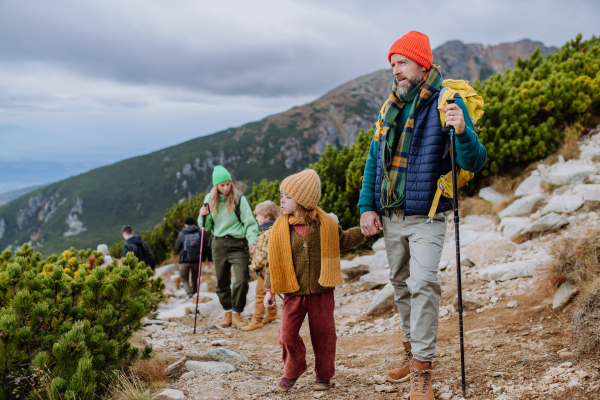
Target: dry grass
x=152 y=372
x=474 y=206
x=570 y=149
x=576 y=260
x=586 y=325
x=127 y=387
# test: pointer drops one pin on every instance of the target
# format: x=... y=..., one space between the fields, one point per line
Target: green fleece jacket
x=221 y=223
x=470 y=155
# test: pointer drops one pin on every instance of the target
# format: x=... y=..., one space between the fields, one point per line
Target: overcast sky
x=87 y=83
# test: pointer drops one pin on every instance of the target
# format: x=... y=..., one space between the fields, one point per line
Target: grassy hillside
x=89 y=209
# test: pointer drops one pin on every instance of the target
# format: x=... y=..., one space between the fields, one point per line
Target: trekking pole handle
x=259 y=274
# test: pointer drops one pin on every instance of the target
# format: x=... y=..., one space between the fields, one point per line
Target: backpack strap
x=238 y=207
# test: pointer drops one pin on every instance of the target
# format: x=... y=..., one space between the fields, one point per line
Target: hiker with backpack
x=229 y=218
x=409 y=153
x=138 y=246
x=188 y=247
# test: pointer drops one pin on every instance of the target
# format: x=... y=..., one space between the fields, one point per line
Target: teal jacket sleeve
x=250 y=224
x=366 y=201
x=470 y=153
x=209 y=220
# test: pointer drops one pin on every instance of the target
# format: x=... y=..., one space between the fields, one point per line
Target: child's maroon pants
x=322 y=334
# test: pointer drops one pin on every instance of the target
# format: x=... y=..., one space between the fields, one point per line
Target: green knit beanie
x=220 y=175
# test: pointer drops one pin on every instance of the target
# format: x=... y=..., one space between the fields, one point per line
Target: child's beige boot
x=226 y=320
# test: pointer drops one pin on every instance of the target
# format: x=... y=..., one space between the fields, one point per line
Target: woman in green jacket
x=234 y=232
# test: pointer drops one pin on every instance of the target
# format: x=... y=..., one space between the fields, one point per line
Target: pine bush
x=65 y=325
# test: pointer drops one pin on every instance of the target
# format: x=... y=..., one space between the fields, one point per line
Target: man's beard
x=412 y=83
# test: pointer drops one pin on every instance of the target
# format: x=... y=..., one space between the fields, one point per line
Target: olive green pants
x=230 y=252
x=414 y=248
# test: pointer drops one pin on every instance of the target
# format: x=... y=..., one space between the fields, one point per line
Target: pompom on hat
x=304 y=187
x=414 y=45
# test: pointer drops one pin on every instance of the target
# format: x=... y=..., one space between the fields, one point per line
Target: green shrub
x=65 y=325
x=528 y=107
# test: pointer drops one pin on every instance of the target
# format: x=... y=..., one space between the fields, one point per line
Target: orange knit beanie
x=414 y=45
x=304 y=187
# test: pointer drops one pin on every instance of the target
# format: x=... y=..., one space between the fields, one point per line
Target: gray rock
x=180 y=294
x=522 y=206
x=564 y=293
x=379 y=261
x=210 y=367
x=170 y=394
x=492 y=195
x=375 y=279
x=488 y=248
x=507 y=271
x=563 y=190
x=379 y=245
x=564 y=204
x=352 y=269
x=477 y=223
x=589 y=192
x=529 y=186
x=206 y=309
x=469 y=301
x=175 y=366
x=548 y=223
x=383 y=301
x=568 y=174
x=225 y=355
x=512 y=304
x=594 y=178
x=160 y=271
x=177 y=312
x=513 y=225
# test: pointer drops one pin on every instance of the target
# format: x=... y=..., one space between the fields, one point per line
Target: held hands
x=370 y=223
x=268 y=298
x=203 y=211
x=454 y=117
x=252 y=248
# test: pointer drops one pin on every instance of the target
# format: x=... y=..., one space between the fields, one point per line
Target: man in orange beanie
x=408 y=154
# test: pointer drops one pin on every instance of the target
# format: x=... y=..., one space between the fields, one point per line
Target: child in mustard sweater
x=304 y=264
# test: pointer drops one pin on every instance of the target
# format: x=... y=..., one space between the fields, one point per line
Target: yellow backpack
x=474 y=102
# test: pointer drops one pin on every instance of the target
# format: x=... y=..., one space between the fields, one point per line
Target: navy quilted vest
x=428 y=160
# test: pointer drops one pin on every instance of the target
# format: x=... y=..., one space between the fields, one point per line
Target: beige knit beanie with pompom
x=304 y=187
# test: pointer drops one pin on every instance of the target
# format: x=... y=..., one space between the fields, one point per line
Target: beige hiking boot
x=252 y=325
x=271 y=315
x=237 y=321
x=227 y=320
x=402 y=373
x=421 y=383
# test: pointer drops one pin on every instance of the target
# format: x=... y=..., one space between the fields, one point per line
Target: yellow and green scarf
x=394 y=166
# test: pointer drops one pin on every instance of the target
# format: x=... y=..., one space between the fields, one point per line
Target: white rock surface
x=160 y=271
x=594 y=178
x=206 y=309
x=492 y=195
x=510 y=226
x=564 y=293
x=177 y=312
x=489 y=248
x=170 y=394
x=209 y=368
x=511 y=270
x=469 y=301
x=548 y=223
x=589 y=192
x=564 y=204
x=225 y=355
x=522 y=206
x=529 y=186
x=375 y=279
x=379 y=261
x=379 y=245
x=383 y=301
x=568 y=174
x=477 y=223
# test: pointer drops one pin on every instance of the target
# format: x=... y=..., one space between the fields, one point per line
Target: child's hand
x=250 y=267
x=252 y=248
x=267 y=301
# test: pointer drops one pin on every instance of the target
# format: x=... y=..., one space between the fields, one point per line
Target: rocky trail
x=517 y=336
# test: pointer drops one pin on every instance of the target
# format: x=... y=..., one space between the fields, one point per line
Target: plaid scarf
x=392 y=190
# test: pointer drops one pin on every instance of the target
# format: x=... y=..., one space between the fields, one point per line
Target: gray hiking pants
x=414 y=248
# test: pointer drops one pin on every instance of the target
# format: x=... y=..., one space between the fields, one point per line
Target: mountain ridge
x=90 y=208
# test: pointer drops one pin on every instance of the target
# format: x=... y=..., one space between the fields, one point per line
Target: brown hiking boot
x=271 y=315
x=420 y=383
x=252 y=325
x=227 y=320
x=402 y=373
x=237 y=321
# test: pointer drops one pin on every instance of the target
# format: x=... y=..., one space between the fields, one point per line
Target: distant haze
x=88 y=83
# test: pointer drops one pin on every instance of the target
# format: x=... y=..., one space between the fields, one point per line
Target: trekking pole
x=259 y=274
x=457 y=239
x=200 y=265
